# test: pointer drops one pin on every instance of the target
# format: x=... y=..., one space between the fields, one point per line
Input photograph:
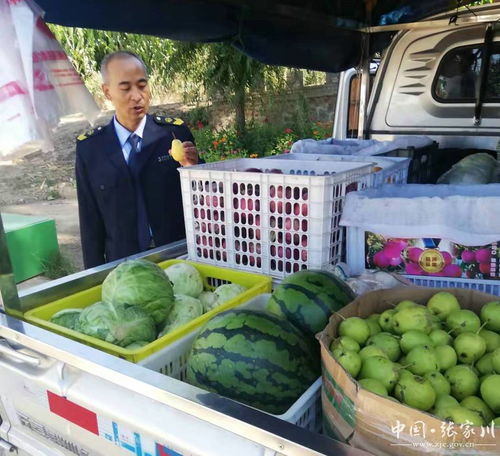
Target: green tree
x=223 y=71
x=87 y=47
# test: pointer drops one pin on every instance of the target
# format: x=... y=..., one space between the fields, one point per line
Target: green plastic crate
x=32 y=242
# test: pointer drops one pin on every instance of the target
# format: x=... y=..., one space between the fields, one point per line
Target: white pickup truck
x=439 y=77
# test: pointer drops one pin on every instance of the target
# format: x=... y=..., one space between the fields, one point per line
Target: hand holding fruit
x=184 y=152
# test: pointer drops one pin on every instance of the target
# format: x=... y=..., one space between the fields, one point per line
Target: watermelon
x=308 y=298
x=253 y=357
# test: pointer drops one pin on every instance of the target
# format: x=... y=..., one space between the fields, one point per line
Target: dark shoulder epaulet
x=160 y=120
x=89 y=134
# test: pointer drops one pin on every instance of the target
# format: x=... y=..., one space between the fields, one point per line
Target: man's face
x=127 y=88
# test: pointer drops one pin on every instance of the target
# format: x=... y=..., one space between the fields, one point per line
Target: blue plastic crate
x=487 y=286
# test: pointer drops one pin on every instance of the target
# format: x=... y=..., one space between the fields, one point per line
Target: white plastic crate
x=172 y=360
x=268 y=222
x=486 y=286
x=385 y=170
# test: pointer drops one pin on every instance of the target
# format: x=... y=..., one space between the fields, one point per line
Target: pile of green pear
x=438 y=358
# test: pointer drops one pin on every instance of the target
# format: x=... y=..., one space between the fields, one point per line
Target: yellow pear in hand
x=177 y=150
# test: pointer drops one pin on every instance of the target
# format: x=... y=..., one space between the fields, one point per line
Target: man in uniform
x=128 y=186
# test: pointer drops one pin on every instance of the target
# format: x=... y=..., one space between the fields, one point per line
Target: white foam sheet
x=359 y=147
x=468 y=215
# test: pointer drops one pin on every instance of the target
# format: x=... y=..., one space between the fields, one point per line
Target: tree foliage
x=195 y=70
x=222 y=71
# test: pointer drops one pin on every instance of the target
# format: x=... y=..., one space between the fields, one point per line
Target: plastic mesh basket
x=385 y=170
x=282 y=217
x=172 y=361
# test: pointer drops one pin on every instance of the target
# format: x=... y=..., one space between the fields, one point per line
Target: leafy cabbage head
x=140 y=283
x=186 y=308
x=228 y=291
x=66 y=317
x=185 y=279
x=119 y=324
x=208 y=300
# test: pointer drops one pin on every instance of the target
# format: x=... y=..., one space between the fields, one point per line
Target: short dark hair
x=119 y=55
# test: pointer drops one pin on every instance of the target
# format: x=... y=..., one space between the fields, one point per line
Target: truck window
x=457 y=78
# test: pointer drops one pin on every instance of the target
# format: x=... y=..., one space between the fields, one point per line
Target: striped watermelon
x=253 y=357
x=308 y=298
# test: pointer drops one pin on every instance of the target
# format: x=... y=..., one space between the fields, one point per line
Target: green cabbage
x=226 y=292
x=140 y=283
x=186 y=308
x=67 y=318
x=119 y=324
x=208 y=301
x=185 y=279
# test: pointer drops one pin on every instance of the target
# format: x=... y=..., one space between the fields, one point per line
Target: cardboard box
x=379 y=425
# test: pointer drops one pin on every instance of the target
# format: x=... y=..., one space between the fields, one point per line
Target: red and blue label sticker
x=164 y=451
x=87 y=420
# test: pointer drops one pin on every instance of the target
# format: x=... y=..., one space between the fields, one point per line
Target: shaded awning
x=313 y=34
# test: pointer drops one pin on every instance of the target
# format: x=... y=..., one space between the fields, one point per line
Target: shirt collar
x=123 y=133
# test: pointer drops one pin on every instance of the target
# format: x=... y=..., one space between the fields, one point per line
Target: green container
x=32 y=243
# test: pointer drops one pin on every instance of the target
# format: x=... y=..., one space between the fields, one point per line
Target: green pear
x=372 y=350
x=413 y=338
x=388 y=343
x=356 y=328
x=464 y=320
x=438 y=382
x=436 y=323
x=373 y=326
x=380 y=368
x=375 y=386
x=440 y=337
x=485 y=364
x=405 y=304
x=442 y=304
x=412 y=318
x=403 y=372
x=415 y=391
x=443 y=403
x=477 y=405
x=346 y=343
x=469 y=347
x=463 y=381
x=373 y=316
x=385 y=320
x=446 y=356
x=495 y=360
x=461 y=415
x=490 y=392
x=421 y=360
x=349 y=360
x=490 y=314
x=491 y=338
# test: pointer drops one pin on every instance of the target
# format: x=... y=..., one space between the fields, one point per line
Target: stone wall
x=320 y=101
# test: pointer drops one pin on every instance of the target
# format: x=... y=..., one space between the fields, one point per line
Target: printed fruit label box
x=432 y=257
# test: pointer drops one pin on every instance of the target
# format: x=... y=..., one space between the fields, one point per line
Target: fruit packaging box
x=425 y=230
x=427 y=257
x=378 y=424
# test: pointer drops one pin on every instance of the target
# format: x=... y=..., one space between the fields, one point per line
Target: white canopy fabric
x=38 y=84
